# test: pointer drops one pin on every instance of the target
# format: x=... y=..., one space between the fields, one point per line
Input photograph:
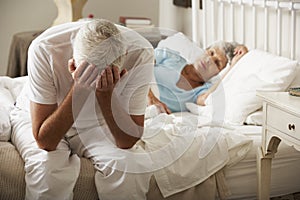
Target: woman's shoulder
x=169 y=56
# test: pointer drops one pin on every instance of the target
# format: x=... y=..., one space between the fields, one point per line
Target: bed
x=234 y=176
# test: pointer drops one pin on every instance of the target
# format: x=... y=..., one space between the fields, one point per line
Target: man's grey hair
x=227 y=47
x=99 y=42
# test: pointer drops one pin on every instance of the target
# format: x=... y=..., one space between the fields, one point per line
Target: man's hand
x=126 y=129
x=85 y=75
x=239 y=52
x=108 y=79
x=71 y=66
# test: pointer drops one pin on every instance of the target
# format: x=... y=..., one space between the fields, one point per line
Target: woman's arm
x=153 y=100
x=239 y=52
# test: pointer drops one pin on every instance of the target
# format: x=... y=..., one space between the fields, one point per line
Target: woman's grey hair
x=99 y=42
x=227 y=47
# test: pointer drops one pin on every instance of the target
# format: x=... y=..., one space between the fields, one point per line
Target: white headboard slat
x=220 y=21
x=266 y=29
x=279 y=27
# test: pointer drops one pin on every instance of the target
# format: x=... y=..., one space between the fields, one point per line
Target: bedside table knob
x=291 y=127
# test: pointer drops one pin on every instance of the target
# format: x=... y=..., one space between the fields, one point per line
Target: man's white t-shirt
x=50 y=80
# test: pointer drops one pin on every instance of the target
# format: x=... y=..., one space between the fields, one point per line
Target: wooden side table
x=281 y=122
x=17 y=60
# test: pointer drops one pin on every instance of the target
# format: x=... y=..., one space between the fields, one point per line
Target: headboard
x=270 y=25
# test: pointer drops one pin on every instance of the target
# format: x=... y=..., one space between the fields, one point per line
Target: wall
x=18 y=16
x=180 y=19
x=175 y=18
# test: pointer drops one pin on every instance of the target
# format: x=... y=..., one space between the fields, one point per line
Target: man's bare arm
x=51 y=122
x=126 y=129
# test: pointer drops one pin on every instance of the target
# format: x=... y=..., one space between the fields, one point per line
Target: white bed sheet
x=206 y=147
x=242 y=177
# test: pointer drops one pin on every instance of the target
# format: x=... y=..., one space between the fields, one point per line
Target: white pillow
x=255 y=118
x=5 y=125
x=236 y=98
x=17 y=85
x=6 y=97
x=22 y=100
x=6 y=104
x=296 y=81
x=9 y=89
x=182 y=44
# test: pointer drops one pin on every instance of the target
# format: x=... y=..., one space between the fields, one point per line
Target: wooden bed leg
x=263 y=175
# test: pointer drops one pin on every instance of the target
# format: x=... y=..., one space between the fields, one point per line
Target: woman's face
x=211 y=63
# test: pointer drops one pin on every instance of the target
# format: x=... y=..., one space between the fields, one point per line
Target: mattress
x=242 y=177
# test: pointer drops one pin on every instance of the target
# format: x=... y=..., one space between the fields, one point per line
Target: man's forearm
x=124 y=130
x=56 y=125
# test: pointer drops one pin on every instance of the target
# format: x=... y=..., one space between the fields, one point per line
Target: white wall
x=175 y=18
x=27 y=15
x=180 y=19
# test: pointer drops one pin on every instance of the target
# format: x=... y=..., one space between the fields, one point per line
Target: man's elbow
x=129 y=143
x=45 y=145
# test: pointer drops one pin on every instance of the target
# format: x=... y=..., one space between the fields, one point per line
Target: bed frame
x=270 y=25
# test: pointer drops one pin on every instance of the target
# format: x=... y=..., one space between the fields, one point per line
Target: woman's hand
x=239 y=52
x=162 y=107
x=201 y=99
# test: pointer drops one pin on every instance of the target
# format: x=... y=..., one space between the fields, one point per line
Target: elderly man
x=75 y=109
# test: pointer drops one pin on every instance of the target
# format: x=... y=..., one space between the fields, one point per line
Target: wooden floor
x=295 y=196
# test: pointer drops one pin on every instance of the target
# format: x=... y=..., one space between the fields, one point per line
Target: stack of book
x=143 y=26
x=136 y=22
x=294 y=91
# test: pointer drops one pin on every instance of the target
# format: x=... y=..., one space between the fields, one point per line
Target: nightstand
x=281 y=122
x=17 y=61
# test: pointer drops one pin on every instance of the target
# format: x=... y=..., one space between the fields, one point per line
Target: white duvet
x=190 y=148
x=184 y=149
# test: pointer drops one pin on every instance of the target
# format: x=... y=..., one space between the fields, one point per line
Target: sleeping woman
x=179 y=82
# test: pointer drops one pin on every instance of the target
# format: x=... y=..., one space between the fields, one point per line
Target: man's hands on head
x=85 y=75
x=126 y=129
x=88 y=76
x=108 y=79
x=87 y=79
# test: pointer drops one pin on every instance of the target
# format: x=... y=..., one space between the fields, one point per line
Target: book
x=294 y=91
x=140 y=26
x=135 y=20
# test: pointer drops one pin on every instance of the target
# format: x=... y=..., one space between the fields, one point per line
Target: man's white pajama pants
x=52 y=175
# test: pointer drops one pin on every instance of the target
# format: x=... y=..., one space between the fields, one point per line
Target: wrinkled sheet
x=184 y=149
x=187 y=149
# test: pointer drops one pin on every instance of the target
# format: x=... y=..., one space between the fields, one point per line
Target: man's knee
x=51 y=174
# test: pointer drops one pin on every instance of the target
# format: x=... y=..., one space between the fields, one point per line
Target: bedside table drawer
x=283 y=121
